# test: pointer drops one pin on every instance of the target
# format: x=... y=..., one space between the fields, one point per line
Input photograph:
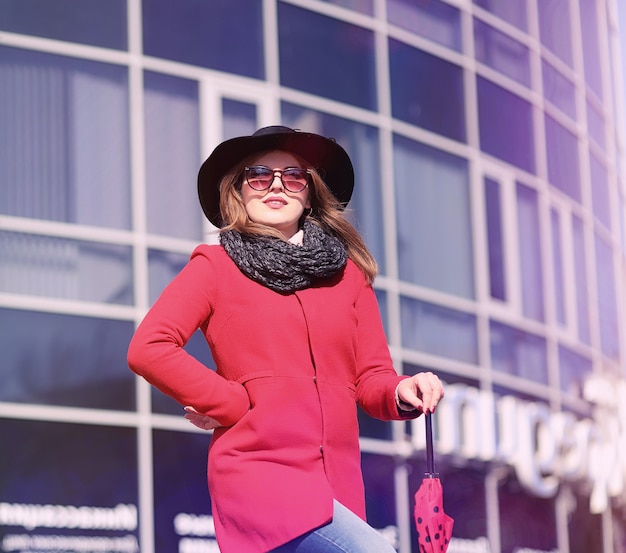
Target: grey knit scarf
x=282 y=266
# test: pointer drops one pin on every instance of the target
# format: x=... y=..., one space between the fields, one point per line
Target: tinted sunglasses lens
x=259 y=177
x=295 y=180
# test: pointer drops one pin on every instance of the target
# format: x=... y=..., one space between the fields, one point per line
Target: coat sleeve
x=376 y=378
x=156 y=350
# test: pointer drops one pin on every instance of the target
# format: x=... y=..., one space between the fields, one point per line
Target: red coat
x=290 y=371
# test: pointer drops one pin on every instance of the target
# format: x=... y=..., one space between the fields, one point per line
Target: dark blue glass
x=558 y=89
x=506 y=125
x=220 y=34
x=93 y=22
x=419 y=83
x=563 y=159
x=573 y=369
x=495 y=239
x=326 y=57
x=65 y=360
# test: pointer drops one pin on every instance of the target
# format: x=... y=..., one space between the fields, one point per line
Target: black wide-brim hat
x=323 y=154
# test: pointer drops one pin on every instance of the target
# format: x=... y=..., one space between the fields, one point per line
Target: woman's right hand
x=201 y=421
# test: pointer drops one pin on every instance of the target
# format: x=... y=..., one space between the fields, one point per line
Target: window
x=239 y=118
x=600 y=191
x=64 y=139
x=607 y=299
x=582 y=287
x=506 y=128
x=501 y=52
x=362 y=144
x=434 y=20
x=573 y=368
x=557 y=267
x=495 y=240
x=96 y=23
x=220 y=34
x=433 y=216
x=563 y=159
x=437 y=330
x=65 y=268
x=529 y=243
x=172 y=156
x=558 y=89
x=65 y=360
x=591 y=45
x=418 y=83
x=518 y=353
x=554 y=28
x=307 y=41
x=511 y=12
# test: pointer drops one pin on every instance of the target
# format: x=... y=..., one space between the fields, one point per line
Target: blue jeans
x=346 y=533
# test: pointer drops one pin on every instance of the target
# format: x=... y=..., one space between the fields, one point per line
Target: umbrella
x=434 y=527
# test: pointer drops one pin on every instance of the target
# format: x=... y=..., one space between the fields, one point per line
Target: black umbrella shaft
x=430 y=458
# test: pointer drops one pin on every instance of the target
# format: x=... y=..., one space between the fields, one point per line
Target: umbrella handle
x=430 y=458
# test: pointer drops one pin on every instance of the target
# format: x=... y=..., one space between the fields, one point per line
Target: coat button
x=322 y=450
x=315 y=380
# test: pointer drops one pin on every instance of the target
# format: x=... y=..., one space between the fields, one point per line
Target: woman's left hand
x=201 y=421
x=422 y=390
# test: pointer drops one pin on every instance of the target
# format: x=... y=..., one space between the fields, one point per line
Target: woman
x=286 y=305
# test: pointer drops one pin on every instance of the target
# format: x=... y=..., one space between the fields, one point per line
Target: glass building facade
x=489 y=150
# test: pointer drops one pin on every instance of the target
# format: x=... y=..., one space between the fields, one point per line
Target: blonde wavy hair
x=325 y=212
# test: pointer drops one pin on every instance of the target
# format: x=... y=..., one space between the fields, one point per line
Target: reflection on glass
x=502 y=53
x=65 y=268
x=529 y=242
x=433 y=217
x=511 y=12
x=591 y=44
x=600 y=191
x=582 y=287
x=434 y=20
x=55 y=359
x=573 y=368
x=554 y=28
x=437 y=330
x=607 y=299
x=172 y=156
x=557 y=266
x=495 y=240
x=97 y=22
x=308 y=40
x=220 y=34
x=418 y=83
x=518 y=353
x=563 y=159
x=64 y=139
x=362 y=144
x=238 y=118
x=558 y=89
x=506 y=125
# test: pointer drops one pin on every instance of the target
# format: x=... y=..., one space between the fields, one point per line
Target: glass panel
x=437 y=330
x=506 y=125
x=518 y=353
x=363 y=6
x=418 y=83
x=595 y=125
x=220 y=34
x=554 y=28
x=183 y=521
x=581 y=288
x=502 y=53
x=495 y=240
x=362 y=144
x=586 y=529
x=172 y=156
x=591 y=45
x=529 y=240
x=162 y=268
x=433 y=218
x=64 y=139
x=97 y=22
x=65 y=268
x=538 y=530
x=563 y=160
x=557 y=267
x=600 y=191
x=558 y=89
x=511 y=12
x=573 y=369
x=380 y=500
x=607 y=299
x=434 y=20
x=239 y=118
x=309 y=40
x=65 y=360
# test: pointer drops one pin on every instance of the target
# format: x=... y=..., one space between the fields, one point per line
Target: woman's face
x=275 y=206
